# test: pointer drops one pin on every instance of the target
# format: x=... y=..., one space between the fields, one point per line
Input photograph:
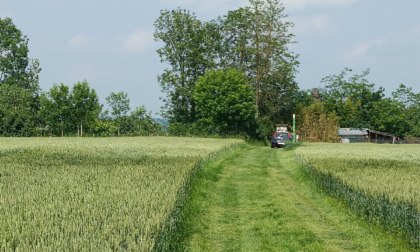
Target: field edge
x=175 y=230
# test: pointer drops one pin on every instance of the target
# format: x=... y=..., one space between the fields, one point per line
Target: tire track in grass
x=262 y=201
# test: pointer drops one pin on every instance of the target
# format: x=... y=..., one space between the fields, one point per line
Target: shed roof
x=381 y=133
x=352 y=132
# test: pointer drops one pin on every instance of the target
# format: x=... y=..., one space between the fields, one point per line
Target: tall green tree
x=410 y=102
x=352 y=98
x=389 y=115
x=253 y=39
x=15 y=66
x=120 y=105
x=55 y=109
x=257 y=38
x=188 y=54
x=225 y=102
x=19 y=83
x=17 y=111
x=85 y=106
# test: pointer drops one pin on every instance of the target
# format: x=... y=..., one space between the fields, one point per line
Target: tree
x=17 y=111
x=19 y=94
x=120 y=105
x=353 y=99
x=388 y=115
x=257 y=39
x=225 y=102
x=187 y=52
x=253 y=39
x=410 y=103
x=85 y=106
x=15 y=66
x=142 y=123
x=318 y=126
x=55 y=108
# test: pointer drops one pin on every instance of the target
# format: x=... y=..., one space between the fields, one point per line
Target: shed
x=381 y=137
x=281 y=127
x=353 y=135
x=365 y=135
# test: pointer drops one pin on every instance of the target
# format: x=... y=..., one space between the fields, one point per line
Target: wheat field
x=379 y=182
x=93 y=194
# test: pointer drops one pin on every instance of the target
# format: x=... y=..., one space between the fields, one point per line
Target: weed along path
x=259 y=199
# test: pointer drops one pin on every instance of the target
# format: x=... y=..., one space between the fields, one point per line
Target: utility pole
x=294 y=129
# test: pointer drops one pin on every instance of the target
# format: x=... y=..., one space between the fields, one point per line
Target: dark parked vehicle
x=280 y=138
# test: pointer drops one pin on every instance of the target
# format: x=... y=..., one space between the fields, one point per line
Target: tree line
x=234 y=75
x=25 y=110
x=252 y=43
x=354 y=102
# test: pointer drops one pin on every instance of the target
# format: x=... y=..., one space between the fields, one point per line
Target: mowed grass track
x=259 y=199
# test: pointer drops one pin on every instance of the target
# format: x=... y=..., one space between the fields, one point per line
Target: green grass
x=259 y=199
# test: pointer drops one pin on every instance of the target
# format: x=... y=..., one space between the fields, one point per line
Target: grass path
x=258 y=199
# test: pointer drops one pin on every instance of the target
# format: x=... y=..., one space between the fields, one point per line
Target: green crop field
x=380 y=182
x=102 y=194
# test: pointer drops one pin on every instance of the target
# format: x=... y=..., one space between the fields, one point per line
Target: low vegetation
x=81 y=194
x=379 y=182
x=255 y=198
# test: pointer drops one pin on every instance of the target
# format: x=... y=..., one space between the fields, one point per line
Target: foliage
x=359 y=105
x=77 y=194
x=15 y=66
x=17 y=110
x=224 y=102
x=318 y=126
x=253 y=40
x=55 y=109
x=104 y=128
x=141 y=123
x=19 y=87
x=353 y=99
x=185 y=50
x=379 y=181
x=388 y=115
x=120 y=105
x=256 y=39
x=85 y=106
x=410 y=103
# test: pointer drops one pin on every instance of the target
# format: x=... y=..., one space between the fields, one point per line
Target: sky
x=110 y=43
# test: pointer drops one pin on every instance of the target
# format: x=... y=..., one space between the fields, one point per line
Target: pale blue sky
x=110 y=43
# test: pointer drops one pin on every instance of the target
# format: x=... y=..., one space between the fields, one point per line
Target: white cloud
x=361 y=51
x=320 y=24
x=137 y=41
x=302 y=4
x=80 y=40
